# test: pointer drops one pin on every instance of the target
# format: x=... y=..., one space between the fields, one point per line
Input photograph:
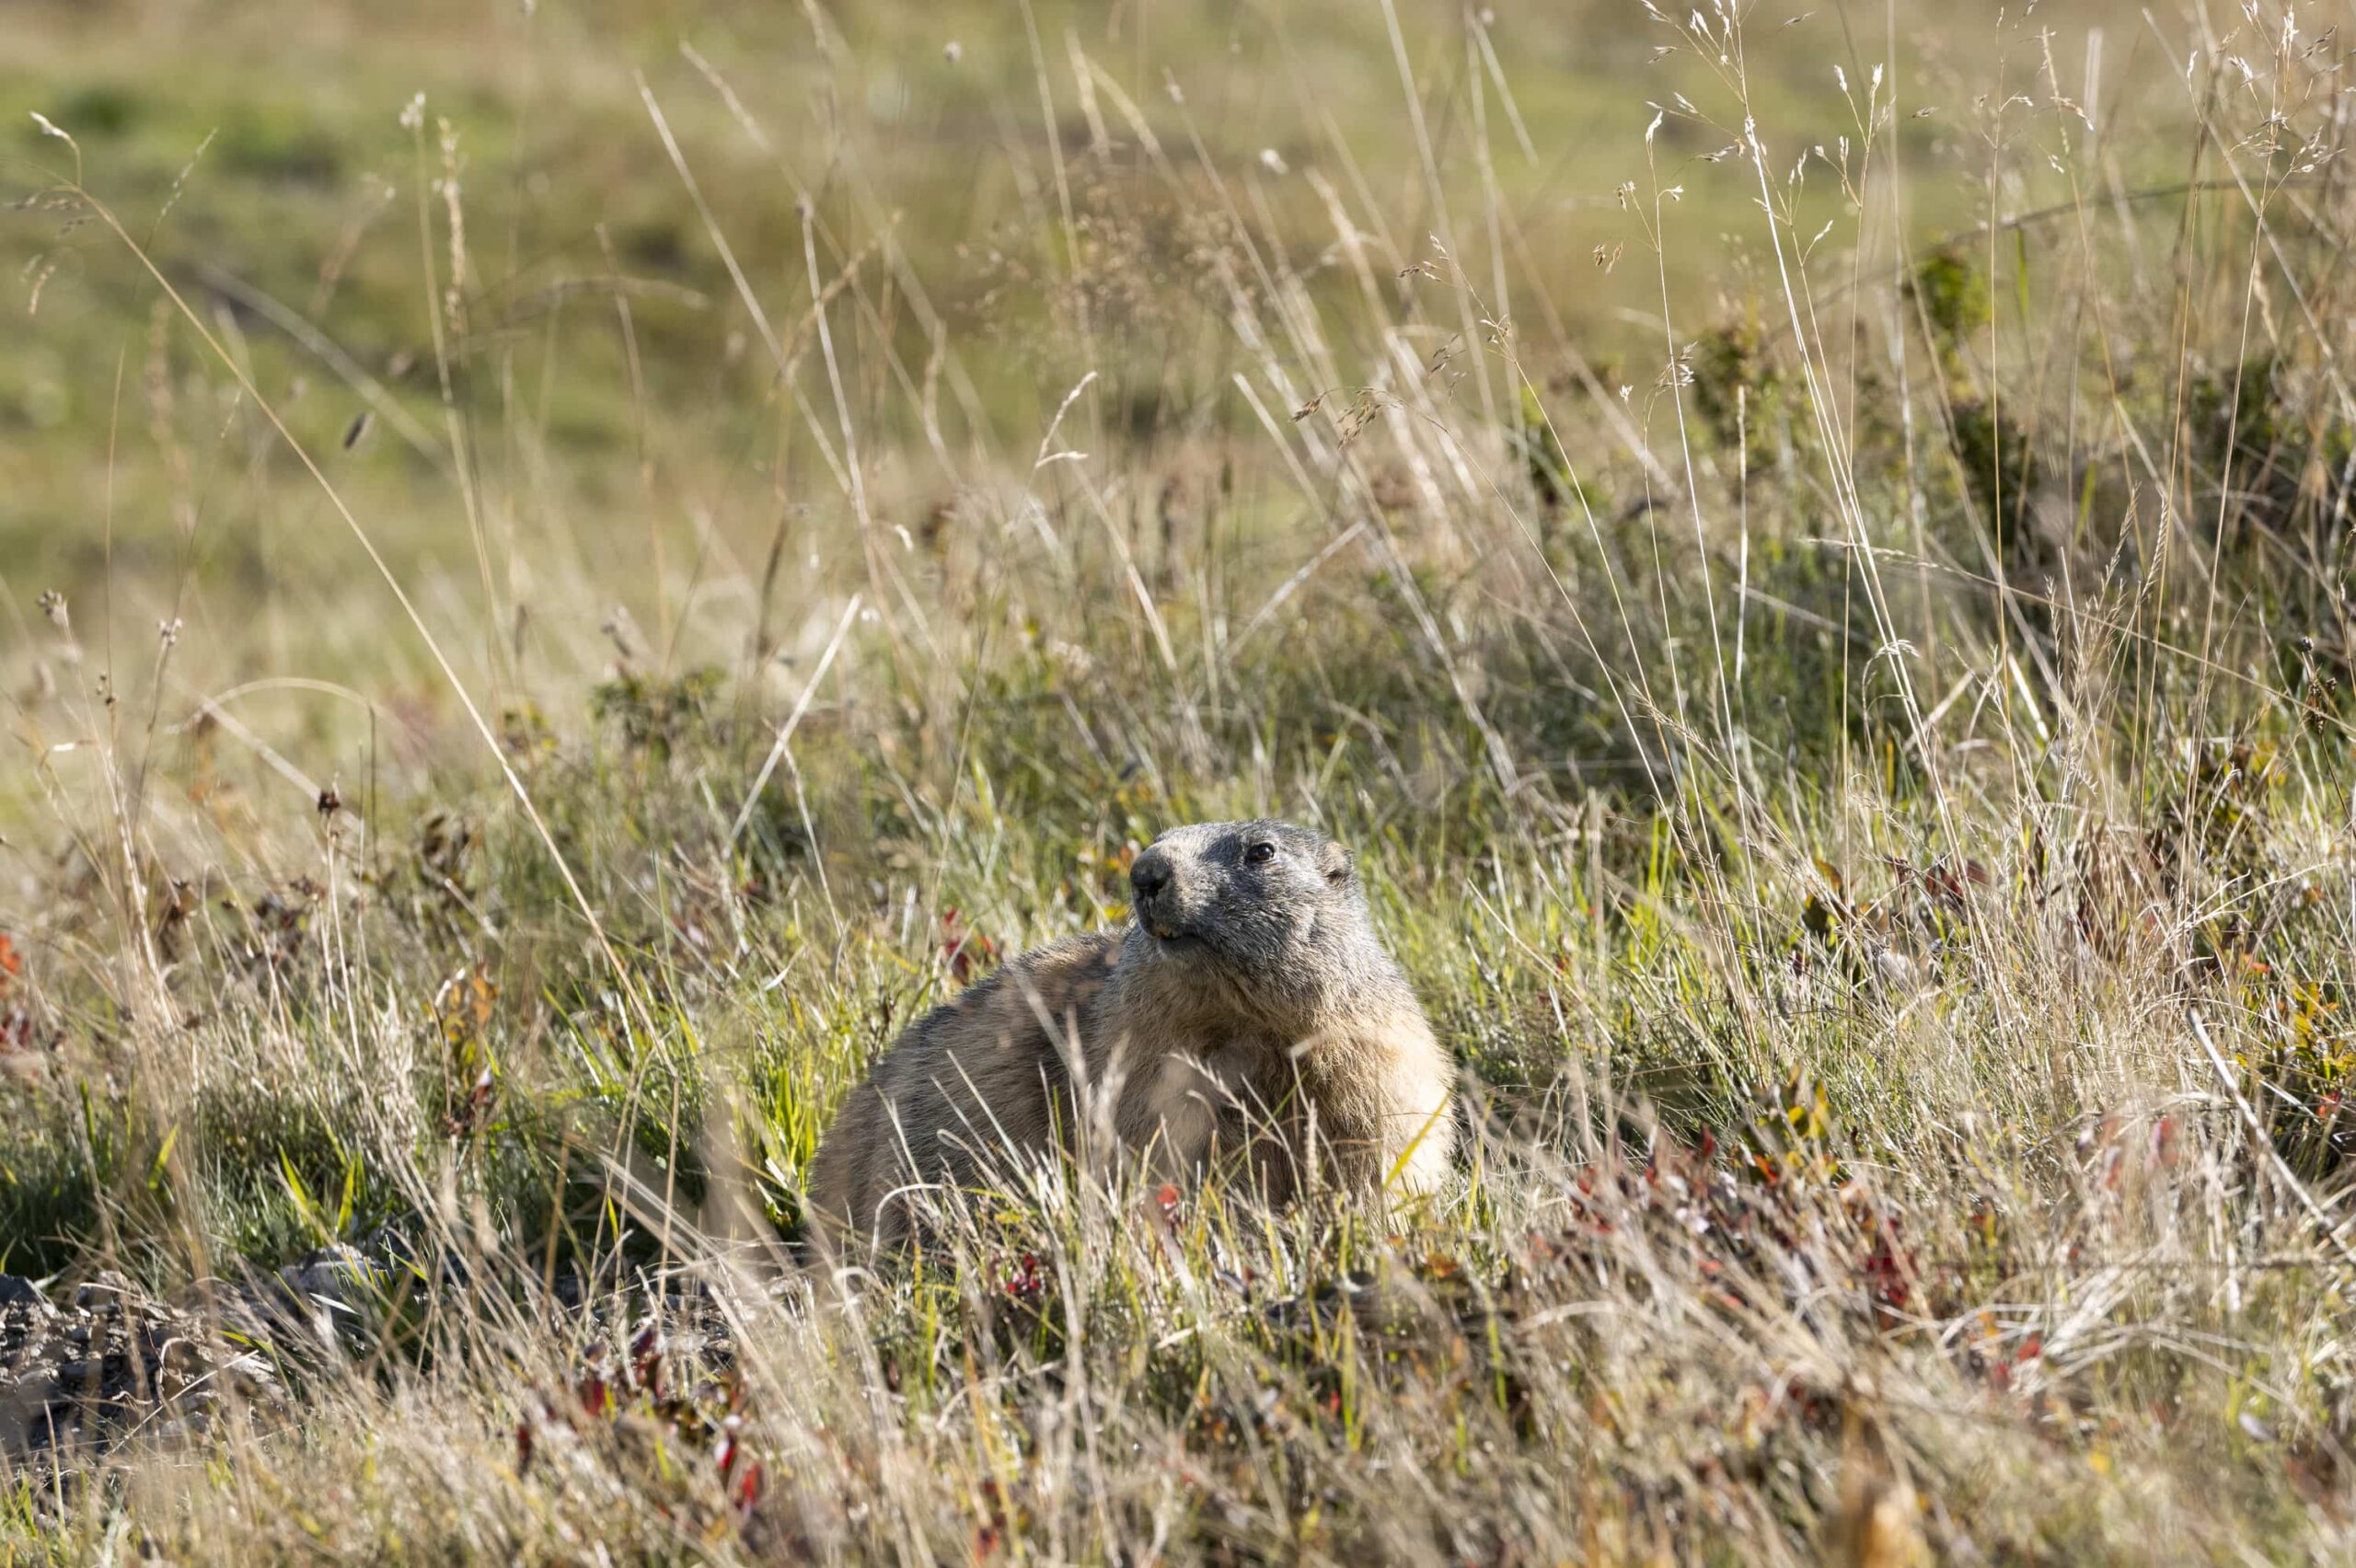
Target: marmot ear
x=1333 y=859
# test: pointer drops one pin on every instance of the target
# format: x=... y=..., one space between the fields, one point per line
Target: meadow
x=569 y=569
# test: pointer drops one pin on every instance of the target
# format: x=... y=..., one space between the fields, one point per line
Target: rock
x=111 y=1362
x=336 y=1276
x=335 y=1297
x=78 y=1379
x=105 y=1289
x=25 y=1402
x=176 y=1354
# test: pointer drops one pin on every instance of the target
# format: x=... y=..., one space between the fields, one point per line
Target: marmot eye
x=1259 y=854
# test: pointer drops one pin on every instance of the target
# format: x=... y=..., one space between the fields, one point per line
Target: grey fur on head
x=1248 y=1010
x=1268 y=916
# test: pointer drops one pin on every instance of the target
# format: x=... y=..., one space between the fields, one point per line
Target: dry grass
x=1854 y=753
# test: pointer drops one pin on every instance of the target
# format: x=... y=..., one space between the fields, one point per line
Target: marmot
x=1247 y=1010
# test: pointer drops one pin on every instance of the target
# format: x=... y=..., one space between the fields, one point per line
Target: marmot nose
x=1149 y=875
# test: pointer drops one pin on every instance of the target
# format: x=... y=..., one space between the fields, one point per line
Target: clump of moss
x=1999 y=469
x=1953 y=297
x=1996 y=456
x=1739 y=390
x=1542 y=457
x=2283 y=465
x=656 y=714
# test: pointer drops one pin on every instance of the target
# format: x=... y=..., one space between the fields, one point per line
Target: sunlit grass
x=1824 y=621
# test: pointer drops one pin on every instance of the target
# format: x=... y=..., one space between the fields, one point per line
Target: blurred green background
x=975 y=172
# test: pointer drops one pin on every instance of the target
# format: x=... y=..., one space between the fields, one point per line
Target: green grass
x=1858 y=772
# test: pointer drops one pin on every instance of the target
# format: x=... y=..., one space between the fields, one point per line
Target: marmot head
x=1271 y=911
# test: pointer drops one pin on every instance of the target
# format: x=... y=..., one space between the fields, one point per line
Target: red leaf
x=748 y=1489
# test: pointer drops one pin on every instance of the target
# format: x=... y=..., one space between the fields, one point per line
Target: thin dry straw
x=2307 y=1200
x=384 y=569
x=743 y=286
x=793 y=720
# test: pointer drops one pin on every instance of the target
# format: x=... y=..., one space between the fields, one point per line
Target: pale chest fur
x=1373 y=1098
x=1174 y=1105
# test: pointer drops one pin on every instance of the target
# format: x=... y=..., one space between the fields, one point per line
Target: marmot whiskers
x=1247 y=1011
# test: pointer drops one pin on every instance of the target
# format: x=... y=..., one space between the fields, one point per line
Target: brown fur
x=1248 y=1014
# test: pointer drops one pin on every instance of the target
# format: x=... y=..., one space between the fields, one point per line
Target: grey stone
x=106 y=1288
